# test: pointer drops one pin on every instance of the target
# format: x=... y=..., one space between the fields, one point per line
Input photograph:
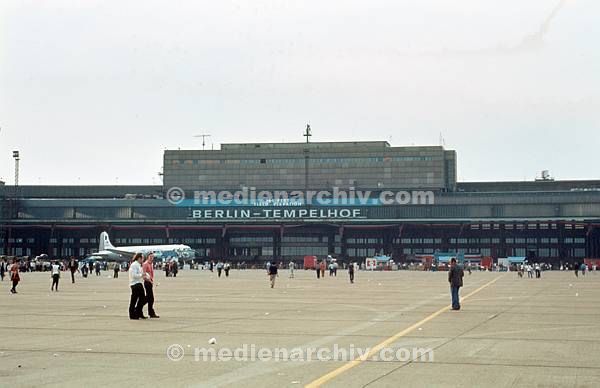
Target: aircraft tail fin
x=104 y=242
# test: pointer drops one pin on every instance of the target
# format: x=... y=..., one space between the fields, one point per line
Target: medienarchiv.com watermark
x=253 y=353
x=250 y=196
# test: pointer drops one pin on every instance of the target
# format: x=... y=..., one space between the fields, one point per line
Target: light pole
x=17 y=159
x=307 y=134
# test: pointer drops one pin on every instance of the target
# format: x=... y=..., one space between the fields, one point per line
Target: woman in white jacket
x=136 y=282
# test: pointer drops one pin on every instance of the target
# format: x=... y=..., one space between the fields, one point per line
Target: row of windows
x=20 y=240
x=364 y=241
x=417 y=241
x=542 y=226
x=304 y=251
x=251 y=239
x=301 y=161
x=124 y=241
x=304 y=239
x=508 y=240
x=71 y=240
x=360 y=252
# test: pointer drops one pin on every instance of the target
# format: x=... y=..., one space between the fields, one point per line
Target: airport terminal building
x=543 y=220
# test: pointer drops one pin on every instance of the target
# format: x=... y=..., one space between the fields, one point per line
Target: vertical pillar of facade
x=331 y=241
x=277 y=237
x=589 y=234
x=388 y=238
x=223 y=246
x=344 y=250
x=562 y=253
x=503 y=247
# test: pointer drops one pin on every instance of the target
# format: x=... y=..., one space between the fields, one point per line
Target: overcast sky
x=92 y=92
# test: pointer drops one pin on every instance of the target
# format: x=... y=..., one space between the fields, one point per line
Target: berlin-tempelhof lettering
x=276 y=213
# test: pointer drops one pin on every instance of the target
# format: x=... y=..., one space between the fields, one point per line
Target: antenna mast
x=203 y=136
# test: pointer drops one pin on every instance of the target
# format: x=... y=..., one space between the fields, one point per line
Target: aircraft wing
x=120 y=252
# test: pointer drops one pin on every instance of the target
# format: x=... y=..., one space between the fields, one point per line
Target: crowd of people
x=141 y=274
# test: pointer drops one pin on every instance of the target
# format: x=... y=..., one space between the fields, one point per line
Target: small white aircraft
x=108 y=251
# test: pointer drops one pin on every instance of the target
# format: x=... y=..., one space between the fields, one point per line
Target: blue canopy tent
x=382 y=258
x=516 y=259
x=445 y=257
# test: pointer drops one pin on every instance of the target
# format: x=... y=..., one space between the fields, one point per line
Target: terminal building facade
x=548 y=221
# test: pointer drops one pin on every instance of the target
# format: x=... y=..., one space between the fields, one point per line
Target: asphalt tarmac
x=510 y=332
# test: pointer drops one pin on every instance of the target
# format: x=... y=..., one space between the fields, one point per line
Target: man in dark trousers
x=351 y=272
x=3 y=269
x=174 y=268
x=455 y=277
x=73 y=267
x=272 y=273
x=136 y=283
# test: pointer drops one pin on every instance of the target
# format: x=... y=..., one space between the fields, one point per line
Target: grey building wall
x=281 y=166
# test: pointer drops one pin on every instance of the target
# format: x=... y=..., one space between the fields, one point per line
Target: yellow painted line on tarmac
x=377 y=348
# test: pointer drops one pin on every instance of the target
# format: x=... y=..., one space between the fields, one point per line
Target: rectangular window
x=521 y=252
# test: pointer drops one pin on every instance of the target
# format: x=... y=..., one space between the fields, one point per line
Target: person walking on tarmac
x=455 y=278
x=148 y=269
x=272 y=273
x=73 y=267
x=55 y=274
x=138 y=296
